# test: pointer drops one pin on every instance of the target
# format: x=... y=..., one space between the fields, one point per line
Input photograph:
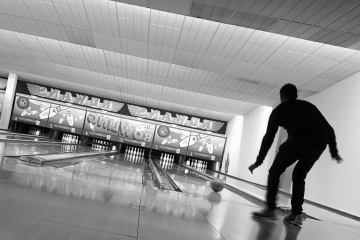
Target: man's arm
x=267 y=141
x=331 y=138
x=332 y=141
x=268 y=138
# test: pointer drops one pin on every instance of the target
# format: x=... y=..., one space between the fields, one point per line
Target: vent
x=211 y=12
x=251 y=20
x=231 y=16
x=80 y=37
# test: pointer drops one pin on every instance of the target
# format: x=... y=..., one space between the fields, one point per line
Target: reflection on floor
x=105 y=198
x=21 y=148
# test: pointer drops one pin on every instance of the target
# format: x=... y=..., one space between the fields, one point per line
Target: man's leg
x=286 y=156
x=301 y=169
x=303 y=166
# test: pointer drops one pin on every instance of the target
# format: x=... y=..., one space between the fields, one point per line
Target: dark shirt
x=304 y=124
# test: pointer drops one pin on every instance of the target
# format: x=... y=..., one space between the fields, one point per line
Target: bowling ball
x=217 y=185
x=163 y=131
x=22 y=102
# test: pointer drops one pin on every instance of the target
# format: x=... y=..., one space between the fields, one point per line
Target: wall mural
x=66 y=118
x=136 y=132
x=121 y=108
x=127 y=125
x=173 y=139
x=203 y=145
x=180 y=119
x=101 y=125
x=31 y=111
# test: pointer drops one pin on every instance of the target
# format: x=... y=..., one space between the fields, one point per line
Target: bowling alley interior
x=148 y=119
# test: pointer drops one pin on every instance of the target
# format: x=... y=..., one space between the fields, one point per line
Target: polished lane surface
x=13 y=144
x=34 y=148
x=105 y=198
x=24 y=138
x=284 y=201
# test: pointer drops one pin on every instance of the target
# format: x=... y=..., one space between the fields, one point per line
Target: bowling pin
x=61 y=120
x=209 y=145
x=70 y=118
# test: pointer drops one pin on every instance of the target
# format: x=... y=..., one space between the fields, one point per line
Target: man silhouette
x=308 y=134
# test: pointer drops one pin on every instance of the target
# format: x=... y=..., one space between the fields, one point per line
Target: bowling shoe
x=294 y=219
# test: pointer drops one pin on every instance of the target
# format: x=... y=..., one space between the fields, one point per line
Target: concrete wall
x=243 y=150
x=329 y=183
x=233 y=143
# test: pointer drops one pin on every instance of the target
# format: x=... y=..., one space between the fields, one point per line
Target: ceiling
x=210 y=58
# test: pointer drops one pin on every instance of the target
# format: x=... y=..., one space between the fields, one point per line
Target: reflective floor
x=20 y=148
x=103 y=197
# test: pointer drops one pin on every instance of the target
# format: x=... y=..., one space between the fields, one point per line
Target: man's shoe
x=268 y=214
x=294 y=219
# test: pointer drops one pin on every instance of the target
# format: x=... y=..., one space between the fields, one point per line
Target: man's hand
x=252 y=167
x=337 y=157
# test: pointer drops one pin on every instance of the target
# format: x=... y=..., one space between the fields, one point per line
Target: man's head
x=288 y=92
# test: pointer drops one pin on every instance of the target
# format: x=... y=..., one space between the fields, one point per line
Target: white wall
x=254 y=128
x=329 y=183
x=234 y=133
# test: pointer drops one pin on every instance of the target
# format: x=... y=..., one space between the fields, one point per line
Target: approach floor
x=105 y=198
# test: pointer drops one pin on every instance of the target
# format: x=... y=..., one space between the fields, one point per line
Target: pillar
x=8 y=101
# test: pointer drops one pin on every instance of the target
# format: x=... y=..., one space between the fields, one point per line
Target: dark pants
x=289 y=152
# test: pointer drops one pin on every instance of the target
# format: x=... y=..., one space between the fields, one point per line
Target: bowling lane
x=34 y=148
x=195 y=186
x=167 y=214
x=23 y=138
x=258 y=192
x=7 y=132
x=98 y=193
